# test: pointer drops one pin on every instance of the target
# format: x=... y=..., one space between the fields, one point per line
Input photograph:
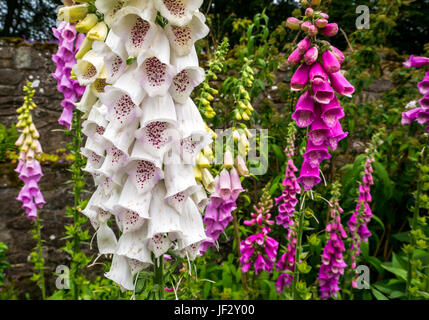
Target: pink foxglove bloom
x=332 y=266
x=68 y=44
x=29 y=168
x=318 y=107
x=418 y=113
x=143 y=136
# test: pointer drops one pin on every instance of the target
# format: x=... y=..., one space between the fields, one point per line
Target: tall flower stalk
x=30 y=172
x=319 y=75
x=139 y=65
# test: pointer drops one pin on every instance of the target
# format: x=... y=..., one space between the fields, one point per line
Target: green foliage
x=7 y=141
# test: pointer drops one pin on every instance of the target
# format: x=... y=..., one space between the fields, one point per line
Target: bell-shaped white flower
x=193 y=131
x=121 y=137
x=129 y=220
x=154 y=70
x=189 y=75
x=88 y=68
x=92 y=145
x=200 y=197
x=95 y=126
x=157 y=125
x=120 y=272
x=178 y=12
x=179 y=180
x=132 y=245
x=163 y=220
x=136 y=266
x=182 y=39
x=136 y=28
x=114 y=55
x=193 y=232
x=131 y=199
x=144 y=175
x=94 y=160
x=113 y=164
x=110 y=8
x=106 y=240
x=87 y=101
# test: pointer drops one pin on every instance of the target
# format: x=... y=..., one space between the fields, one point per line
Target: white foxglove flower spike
x=110 y=8
x=136 y=28
x=106 y=240
x=144 y=175
x=178 y=12
x=88 y=68
x=121 y=137
x=182 y=39
x=114 y=162
x=132 y=245
x=130 y=220
x=94 y=146
x=189 y=75
x=94 y=161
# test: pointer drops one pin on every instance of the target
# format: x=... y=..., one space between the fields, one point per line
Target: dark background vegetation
x=32 y=19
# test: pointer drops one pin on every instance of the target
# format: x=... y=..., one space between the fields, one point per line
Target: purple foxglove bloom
x=319 y=132
x=304 y=113
x=300 y=78
x=424 y=102
x=341 y=85
x=331 y=112
x=416 y=62
x=424 y=85
x=236 y=187
x=330 y=62
x=311 y=55
x=317 y=74
x=260 y=264
x=336 y=134
x=286 y=263
x=321 y=23
x=225 y=184
x=314 y=155
x=312 y=30
x=323 y=92
x=338 y=54
x=309 y=176
x=295 y=57
x=423 y=116
x=330 y=30
x=305 y=26
x=303 y=45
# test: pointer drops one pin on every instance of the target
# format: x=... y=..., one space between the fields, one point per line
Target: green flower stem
x=238 y=241
x=298 y=246
x=38 y=261
x=158 y=278
x=414 y=222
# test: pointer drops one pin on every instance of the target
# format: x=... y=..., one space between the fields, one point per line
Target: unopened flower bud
x=84 y=48
x=311 y=55
x=312 y=30
x=315 y=2
x=197 y=173
x=305 y=25
x=293 y=23
x=321 y=23
x=241 y=167
x=87 y=24
x=73 y=13
x=208 y=180
x=98 y=33
x=228 y=161
x=324 y=15
x=330 y=30
x=309 y=12
x=202 y=161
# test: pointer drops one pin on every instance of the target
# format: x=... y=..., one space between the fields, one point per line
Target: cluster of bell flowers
x=144 y=132
x=319 y=75
x=29 y=168
x=418 y=113
x=333 y=265
x=69 y=41
x=259 y=249
x=227 y=188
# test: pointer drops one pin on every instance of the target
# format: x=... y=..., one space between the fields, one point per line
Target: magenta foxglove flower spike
x=64 y=59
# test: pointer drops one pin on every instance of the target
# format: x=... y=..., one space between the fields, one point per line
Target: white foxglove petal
x=106 y=240
x=130 y=199
x=182 y=39
x=144 y=175
x=120 y=272
x=87 y=101
x=95 y=147
x=129 y=220
x=159 y=244
x=94 y=160
x=189 y=75
x=139 y=153
x=132 y=245
x=88 y=68
x=121 y=137
x=178 y=12
x=115 y=160
x=179 y=181
x=200 y=198
x=136 y=266
x=135 y=28
x=154 y=70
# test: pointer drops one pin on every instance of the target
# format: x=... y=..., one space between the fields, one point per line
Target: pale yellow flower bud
x=197 y=173
x=84 y=48
x=208 y=180
x=87 y=24
x=228 y=161
x=98 y=33
x=241 y=167
x=73 y=13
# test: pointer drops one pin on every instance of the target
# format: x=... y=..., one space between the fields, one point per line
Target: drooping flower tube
x=318 y=72
x=144 y=132
x=418 y=113
x=68 y=44
x=29 y=168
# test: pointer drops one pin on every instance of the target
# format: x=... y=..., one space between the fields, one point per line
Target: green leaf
x=378 y=295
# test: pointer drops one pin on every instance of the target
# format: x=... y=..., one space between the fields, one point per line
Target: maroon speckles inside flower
x=145 y=172
x=123 y=108
x=182 y=35
x=90 y=73
x=156 y=71
x=155 y=134
x=116 y=64
x=131 y=219
x=117 y=155
x=175 y=7
x=188 y=145
x=100 y=130
x=118 y=6
x=139 y=32
x=181 y=82
x=179 y=197
x=95 y=159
